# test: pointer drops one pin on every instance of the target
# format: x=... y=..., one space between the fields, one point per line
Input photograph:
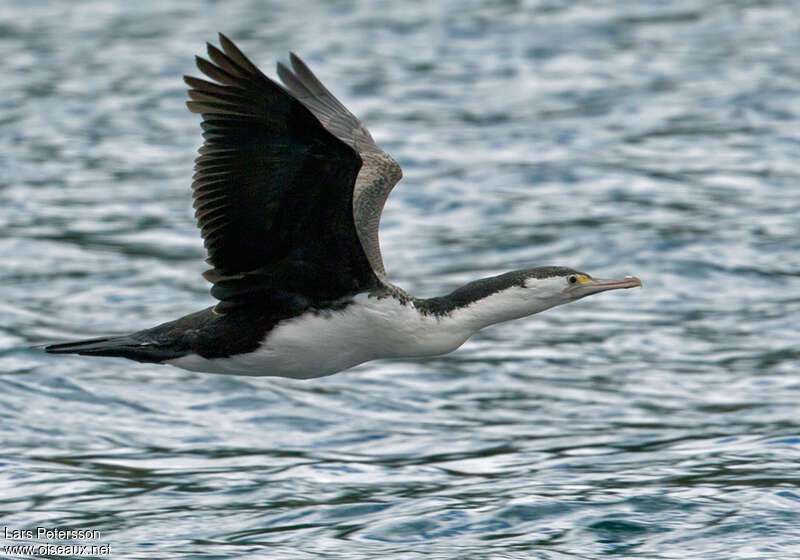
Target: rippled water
x=648 y=138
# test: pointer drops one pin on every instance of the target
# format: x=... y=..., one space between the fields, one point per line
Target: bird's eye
x=572 y=279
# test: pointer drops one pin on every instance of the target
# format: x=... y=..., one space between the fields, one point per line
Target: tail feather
x=118 y=346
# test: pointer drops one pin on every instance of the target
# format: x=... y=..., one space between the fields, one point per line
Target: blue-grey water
x=659 y=139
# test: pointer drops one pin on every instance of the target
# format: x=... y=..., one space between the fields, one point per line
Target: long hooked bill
x=590 y=286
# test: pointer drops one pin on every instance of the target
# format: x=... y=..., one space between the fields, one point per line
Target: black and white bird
x=288 y=191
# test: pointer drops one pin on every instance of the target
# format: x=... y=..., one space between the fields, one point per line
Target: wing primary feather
x=216 y=73
x=209 y=87
x=313 y=85
x=224 y=61
x=291 y=81
x=238 y=56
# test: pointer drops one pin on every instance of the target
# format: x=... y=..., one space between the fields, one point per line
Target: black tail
x=119 y=346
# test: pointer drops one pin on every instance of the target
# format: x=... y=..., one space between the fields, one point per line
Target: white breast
x=325 y=342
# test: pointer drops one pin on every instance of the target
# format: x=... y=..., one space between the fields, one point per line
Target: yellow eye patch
x=583 y=279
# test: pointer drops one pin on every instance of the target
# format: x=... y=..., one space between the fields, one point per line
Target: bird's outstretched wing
x=273 y=192
x=379 y=174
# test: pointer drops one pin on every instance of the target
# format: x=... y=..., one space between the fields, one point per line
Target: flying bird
x=288 y=191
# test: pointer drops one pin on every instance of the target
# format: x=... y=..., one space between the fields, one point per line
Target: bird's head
x=556 y=285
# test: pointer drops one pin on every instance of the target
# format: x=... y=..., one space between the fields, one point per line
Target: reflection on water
x=648 y=139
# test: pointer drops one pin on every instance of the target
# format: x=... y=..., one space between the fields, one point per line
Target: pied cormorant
x=288 y=191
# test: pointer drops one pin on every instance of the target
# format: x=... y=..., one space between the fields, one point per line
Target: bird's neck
x=480 y=304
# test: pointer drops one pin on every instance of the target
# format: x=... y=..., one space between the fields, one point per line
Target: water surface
x=615 y=137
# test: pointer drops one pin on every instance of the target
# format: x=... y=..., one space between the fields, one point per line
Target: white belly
x=326 y=342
